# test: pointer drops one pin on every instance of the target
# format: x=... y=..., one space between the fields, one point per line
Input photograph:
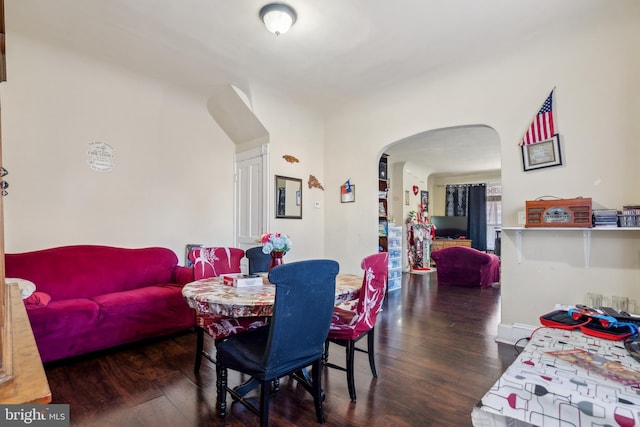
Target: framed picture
x=406 y=197
x=542 y=154
x=348 y=197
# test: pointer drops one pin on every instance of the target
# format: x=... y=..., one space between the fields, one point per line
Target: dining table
x=211 y=295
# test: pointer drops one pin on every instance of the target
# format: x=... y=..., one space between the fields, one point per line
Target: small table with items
x=212 y=296
x=565 y=378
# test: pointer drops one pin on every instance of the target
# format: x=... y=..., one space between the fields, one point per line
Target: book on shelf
x=382 y=210
x=630 y=216
x=383 y=229
x=605 y=218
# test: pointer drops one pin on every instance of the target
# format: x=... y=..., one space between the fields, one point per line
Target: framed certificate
x=542 y=154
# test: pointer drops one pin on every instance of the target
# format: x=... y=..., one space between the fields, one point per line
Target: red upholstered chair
x=212 y=262
x=352 y=321
x=464 y=266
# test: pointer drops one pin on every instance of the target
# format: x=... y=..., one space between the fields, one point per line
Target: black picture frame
x=288 y=197
x=543 y=154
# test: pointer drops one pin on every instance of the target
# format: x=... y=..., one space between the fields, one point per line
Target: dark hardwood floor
x=435 y=355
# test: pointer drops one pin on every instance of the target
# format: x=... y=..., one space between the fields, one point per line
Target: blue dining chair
x=258 y=261
x=294 y=339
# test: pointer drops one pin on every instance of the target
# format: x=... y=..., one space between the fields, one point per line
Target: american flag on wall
x=542 y=126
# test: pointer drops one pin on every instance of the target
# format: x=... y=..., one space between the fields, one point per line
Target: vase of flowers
x=276 y=244
x=276 y=259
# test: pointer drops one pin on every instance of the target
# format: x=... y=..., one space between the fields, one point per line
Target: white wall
x=299 y=133
x=594 y=64
x=172 y=182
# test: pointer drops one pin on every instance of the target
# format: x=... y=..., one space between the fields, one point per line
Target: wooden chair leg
x=370 y=350
x=317 y=390
x=199 y=348
x=350 y=350
x=265 y=389
x=325 y=353
x=221 y=385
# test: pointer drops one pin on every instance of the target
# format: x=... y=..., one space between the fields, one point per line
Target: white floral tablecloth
x=212 y=296
x=565 y=378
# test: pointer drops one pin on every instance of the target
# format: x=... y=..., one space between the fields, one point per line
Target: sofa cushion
x=85 y=271
x=64 y=318
x=143 y=312
x=37 y=300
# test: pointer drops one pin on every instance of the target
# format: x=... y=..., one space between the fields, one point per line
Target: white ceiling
x=338 y=50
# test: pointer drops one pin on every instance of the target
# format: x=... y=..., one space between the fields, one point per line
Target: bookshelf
x=383 y=190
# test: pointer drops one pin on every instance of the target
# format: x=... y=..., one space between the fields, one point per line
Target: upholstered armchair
x=463 y=266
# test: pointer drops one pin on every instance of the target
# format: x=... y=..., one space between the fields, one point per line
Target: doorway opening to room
x=422 y=165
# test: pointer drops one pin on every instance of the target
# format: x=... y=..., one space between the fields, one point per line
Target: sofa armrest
x=183 y=275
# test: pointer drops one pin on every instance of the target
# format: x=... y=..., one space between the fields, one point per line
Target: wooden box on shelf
x=559 y=213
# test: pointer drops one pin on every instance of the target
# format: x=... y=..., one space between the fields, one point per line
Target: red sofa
x=463 y=266
x=91 y=297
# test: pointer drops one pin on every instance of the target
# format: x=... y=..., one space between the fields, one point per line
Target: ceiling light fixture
x=278 y=17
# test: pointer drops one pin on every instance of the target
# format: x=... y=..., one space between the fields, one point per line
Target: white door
x=251 y=193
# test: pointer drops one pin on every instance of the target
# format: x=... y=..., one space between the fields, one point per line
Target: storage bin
x=394 y=284
x=394 y=274
x=394 y=253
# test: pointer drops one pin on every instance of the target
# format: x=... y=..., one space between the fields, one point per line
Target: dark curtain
x=477 y=216
x=470 y=200
x=456 y=204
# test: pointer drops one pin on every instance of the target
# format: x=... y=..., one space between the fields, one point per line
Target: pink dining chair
x=354 y=320
x=213 y=262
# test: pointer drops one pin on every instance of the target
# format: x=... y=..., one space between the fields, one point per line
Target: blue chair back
x=305 y=297
x=258 y=261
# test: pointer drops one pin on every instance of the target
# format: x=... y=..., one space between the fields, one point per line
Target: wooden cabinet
x=28 y=382
x=438 y=244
